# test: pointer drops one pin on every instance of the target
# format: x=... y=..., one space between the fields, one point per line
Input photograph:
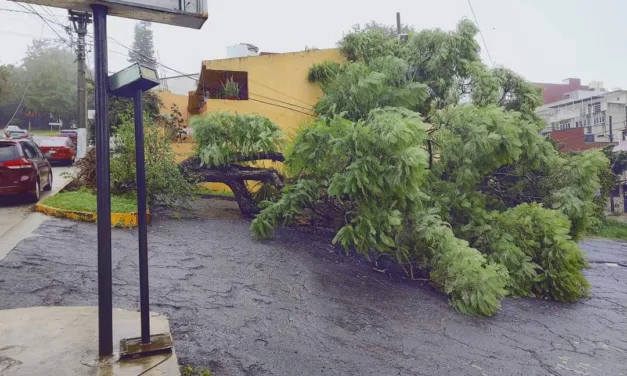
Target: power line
x=47 y=10
x=14 y=10
x=480 y=33
x=278 y=105
x=276 y=100
x=280 y=92
x=46 y=22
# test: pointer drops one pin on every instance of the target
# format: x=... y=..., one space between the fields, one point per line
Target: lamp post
x=131 y=82
x=189 y=14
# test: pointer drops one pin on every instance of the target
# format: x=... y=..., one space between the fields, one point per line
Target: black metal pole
x=105 y=296
x=141 y=218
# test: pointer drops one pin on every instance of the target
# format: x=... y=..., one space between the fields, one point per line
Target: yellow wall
x=168 y=99
x=280 y=79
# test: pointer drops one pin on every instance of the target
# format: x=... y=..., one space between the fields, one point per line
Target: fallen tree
x=422 y=154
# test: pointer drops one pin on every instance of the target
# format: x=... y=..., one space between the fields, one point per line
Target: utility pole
x=611 y=131
x=80 y=21
x=398 y=23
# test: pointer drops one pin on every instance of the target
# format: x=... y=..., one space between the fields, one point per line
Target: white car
x=12 y=128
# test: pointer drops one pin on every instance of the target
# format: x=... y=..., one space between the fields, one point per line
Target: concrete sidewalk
x=44 y=341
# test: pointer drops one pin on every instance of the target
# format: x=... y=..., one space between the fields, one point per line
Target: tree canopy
x=423 y=154
x=47 y=79
x=143 y=50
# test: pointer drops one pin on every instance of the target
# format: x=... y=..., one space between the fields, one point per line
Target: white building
x=180 y=85
x=590 y=109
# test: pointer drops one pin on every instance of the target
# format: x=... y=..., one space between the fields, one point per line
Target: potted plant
x=230 y=89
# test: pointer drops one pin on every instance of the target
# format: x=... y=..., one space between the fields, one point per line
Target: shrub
x=164 y=183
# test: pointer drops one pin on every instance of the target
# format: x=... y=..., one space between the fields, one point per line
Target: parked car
x=24 y=170
x=20 y=134
x=71 y=133
x=7 y=130
x=59 y=149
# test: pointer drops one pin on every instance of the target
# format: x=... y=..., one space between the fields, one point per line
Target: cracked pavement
x=297 y=306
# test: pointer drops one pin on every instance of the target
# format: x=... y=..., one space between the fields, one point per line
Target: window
x=29 y=150
x=597 y=108
x=8 y=152
x=37 y=149
x=52 y=142
x=219 y=84
x=589 y=130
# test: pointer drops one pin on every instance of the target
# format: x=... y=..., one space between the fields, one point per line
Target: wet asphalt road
x=297 y=306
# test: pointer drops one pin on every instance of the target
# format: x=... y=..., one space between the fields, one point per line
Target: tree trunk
x=235 y=177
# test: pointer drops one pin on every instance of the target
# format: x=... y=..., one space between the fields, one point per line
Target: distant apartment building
x=601 y=115
x=555 y=92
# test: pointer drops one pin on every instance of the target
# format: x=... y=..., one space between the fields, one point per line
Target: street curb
x=117 y=219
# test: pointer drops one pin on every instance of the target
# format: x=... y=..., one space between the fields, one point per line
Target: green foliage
x=143 y=50
x=611 y=229
x=542 y=259
x=164 y=183
x=224 y=138
x=360 y=88
x=474 y=284
x=322 y=72
x=190 y=371
x=284 y=212
x=50 y=72
x=6 y=88
x=173 y=124
x=477 y=198
x=121 y=109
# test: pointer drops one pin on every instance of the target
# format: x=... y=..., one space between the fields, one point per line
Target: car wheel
x=48 y=186
x=36 y=195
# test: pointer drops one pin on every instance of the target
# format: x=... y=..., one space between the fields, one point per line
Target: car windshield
x=53 y=142
x=68 y=131
x=8 y=152
x=13 y=131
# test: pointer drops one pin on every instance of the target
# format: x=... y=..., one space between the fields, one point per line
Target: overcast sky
x=543 y=40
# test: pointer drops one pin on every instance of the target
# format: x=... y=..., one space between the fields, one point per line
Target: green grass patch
x=84 y=200
x=200 y=190
x=612 y=229
x=190 y=371
x=40 y=132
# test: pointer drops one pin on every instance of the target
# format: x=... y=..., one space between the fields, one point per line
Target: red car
x=59 y=149
x=71 y=133
x=24 y=170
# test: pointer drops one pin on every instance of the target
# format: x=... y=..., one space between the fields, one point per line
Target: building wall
x=278 y=89
x=555 y=92
x=573 y=139
x=577 y=113
x=277 y=85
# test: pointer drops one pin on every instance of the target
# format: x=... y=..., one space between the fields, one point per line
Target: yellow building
x=270 y=85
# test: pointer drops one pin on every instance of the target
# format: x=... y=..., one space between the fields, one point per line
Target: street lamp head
x=129 y=80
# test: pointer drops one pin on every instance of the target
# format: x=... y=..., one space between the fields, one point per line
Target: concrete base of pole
x=66 y=344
